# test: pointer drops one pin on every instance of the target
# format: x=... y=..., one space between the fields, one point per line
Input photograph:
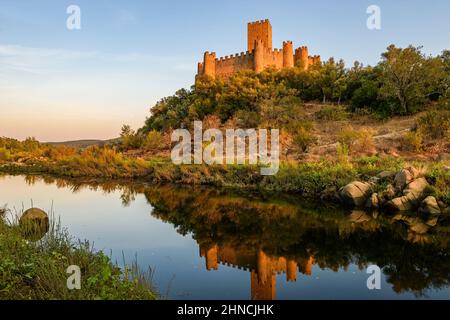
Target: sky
x=58 y=84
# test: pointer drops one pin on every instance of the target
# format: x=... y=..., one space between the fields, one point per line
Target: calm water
x=208 y=244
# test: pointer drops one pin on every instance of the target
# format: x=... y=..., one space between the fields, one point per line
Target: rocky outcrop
x=404 y=177
x=355 y=193
x=411 y=198
x=402 y=193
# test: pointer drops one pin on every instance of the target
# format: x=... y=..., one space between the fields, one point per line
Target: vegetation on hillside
x=404 y=82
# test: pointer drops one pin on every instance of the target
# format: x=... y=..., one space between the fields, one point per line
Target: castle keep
x=259 y=55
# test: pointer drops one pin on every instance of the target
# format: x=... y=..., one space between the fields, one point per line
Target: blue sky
x=57 y=84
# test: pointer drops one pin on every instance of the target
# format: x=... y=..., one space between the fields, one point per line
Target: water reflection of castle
x=263 y=268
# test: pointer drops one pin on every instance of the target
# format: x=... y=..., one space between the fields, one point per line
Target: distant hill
x=84 y=143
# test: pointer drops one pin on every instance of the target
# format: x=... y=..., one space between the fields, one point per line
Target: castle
x=259 y=55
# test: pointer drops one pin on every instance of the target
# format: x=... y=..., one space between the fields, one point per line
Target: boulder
x=386 y=174
x=411 y=198
x=404 y=177
x=429 y=206
x=355 y=193
x=373 y=202
x=34 y=224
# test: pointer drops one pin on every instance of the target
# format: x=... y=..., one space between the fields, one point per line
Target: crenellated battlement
x=259 y=55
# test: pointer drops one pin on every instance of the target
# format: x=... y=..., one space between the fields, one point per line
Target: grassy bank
x=37 y=270
x=308 y=179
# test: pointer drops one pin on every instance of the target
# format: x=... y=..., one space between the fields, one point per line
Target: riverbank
x=37 y=270
x=309 y=179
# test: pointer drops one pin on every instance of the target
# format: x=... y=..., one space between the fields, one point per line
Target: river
x=205 y=243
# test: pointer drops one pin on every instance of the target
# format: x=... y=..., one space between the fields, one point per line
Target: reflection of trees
x=284 y=228
x=297 y=233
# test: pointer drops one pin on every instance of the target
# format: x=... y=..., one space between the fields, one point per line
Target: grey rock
x=386 y=174
x=355 y=193
x=411 y=198
x=404 y=177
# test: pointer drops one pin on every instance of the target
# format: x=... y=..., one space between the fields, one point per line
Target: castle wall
x=273 y=58
x=227 y=66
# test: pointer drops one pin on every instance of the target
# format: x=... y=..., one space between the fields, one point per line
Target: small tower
x=288 y=54
x=258 y=59
x=316 y=59
x=209 y=64
x=301 y=57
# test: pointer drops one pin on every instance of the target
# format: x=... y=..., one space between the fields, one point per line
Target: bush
x=348 y=137
x=304 y=139
x=5 y=155
x=434 y=124
x=365 y=140
x=154 y=141
x=332 y=113
x=342 y=151
x=413 y=140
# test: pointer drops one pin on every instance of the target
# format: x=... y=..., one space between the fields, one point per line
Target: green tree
x=405 y=75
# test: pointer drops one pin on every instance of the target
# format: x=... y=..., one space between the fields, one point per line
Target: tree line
x=405 y=81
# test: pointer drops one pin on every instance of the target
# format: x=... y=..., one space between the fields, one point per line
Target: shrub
x=129 y=139
x=5 y=154
x=435 y=124
x=332 y=113
x=154 y=141
x=304 y=139
x=348 y=137
x=413 y=140
x=365 y=140
x=342 y=153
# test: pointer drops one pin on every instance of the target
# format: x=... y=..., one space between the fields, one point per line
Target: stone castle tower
x=259 y=55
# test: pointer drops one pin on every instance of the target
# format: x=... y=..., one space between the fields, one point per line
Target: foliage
x=94 y=161
x=410 y=78
x=403 y=82
x=154 y=141
x=303 y=139
x=414 y=140
x=37 y=270
x=129 y=139
x=332 y=113
x=435 y=124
